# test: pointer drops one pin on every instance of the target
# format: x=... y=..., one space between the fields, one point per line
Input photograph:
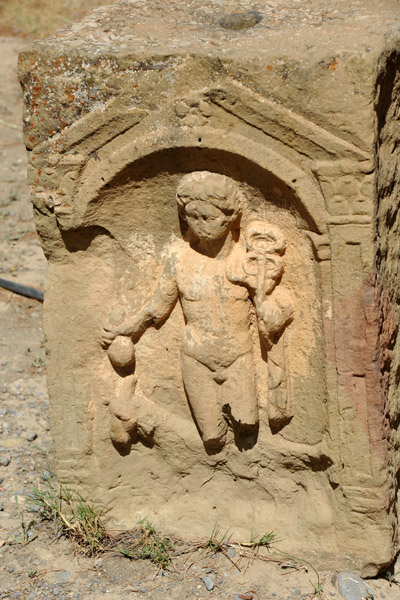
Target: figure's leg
x=203 y=395
x=239 y=394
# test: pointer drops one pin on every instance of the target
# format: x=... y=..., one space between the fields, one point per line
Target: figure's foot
x=214 y=441
x=213 y=446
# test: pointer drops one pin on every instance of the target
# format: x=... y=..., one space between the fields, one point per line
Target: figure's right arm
x=157 y=308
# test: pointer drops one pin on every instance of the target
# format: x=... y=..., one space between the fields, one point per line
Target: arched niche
x=136 y=205
x=234 y=155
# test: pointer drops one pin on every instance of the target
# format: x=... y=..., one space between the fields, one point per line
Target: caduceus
x=264 y=266
x=263 y=263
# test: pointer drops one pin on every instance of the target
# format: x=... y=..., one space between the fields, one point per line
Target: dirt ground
x=31 y=19
x=35 y=562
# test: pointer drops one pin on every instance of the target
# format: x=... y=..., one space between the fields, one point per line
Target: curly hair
x=218 y=190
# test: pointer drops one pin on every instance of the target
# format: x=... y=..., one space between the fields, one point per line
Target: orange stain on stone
x=358 y=360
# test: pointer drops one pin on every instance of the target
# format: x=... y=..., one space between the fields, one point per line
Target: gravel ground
x=35 y=562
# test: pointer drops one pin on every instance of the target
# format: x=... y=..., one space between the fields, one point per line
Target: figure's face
x=207 y=221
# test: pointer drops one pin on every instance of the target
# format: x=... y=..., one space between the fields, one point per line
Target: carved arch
x=100 y=171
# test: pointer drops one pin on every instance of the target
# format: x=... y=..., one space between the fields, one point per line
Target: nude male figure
x=210 y=273
x=217 y=349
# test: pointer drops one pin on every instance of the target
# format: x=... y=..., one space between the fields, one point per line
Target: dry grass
x=78 y=520
x=71 y=514
x=40 y=18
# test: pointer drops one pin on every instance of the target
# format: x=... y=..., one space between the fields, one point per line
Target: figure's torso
x=216 y=311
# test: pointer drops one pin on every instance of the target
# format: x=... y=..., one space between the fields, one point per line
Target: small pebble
x=3 y=412
x=383 y=595
x=31 y=437
x=231 y=553
x=208 y=582
x=296 y=592
x=332 y=592
x=4 y=461
x=63 y=576
x=47 y=475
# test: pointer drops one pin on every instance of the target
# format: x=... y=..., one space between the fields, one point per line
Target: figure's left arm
x=274 y=314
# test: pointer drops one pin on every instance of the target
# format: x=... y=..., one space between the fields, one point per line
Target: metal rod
x=22 y=290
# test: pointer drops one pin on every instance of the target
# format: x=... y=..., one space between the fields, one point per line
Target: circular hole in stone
x=241 y=20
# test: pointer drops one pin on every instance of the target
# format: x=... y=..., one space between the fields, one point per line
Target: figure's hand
x=109 y=333
x=273 y=317
x=269 y=314
x=116 y=324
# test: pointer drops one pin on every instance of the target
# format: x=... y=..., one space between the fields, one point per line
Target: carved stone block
x=220 y=320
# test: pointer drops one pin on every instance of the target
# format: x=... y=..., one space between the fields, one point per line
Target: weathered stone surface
x=278 y=415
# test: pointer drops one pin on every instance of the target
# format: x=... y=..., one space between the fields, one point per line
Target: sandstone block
x=215 y=190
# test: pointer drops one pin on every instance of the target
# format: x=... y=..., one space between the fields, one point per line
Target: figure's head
x=209 y=203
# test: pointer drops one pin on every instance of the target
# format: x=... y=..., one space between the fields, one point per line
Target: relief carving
x=227 y=279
